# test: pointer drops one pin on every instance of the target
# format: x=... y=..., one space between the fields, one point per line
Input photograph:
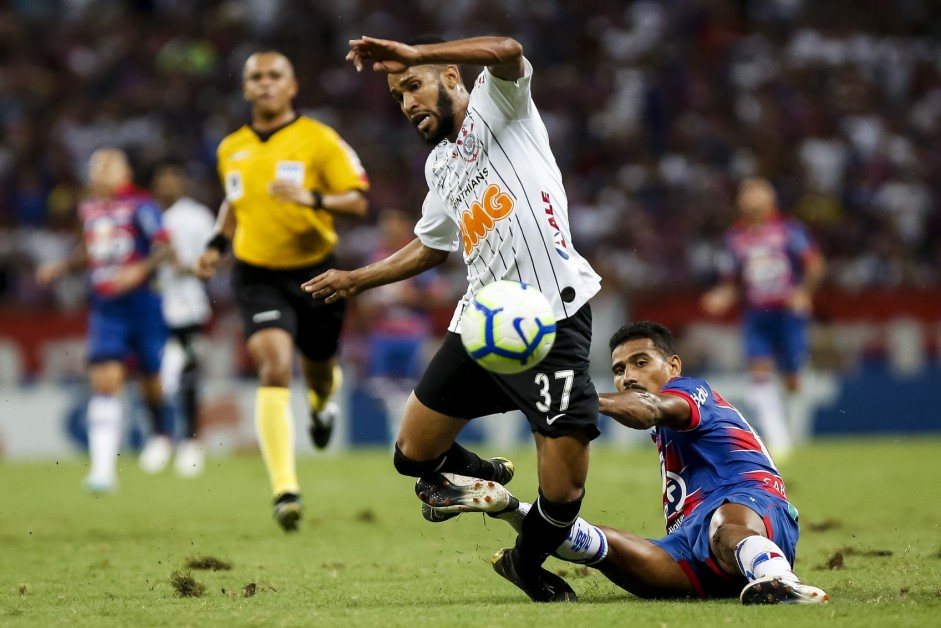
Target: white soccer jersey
x=496 y=193
x=190 y=225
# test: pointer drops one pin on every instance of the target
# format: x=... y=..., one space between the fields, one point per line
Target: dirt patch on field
x=209 y=562
x=186 y=585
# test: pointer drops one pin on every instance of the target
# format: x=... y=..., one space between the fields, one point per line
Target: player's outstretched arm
x=503 y=56
x=410 y=260
x=643 y=410
x=48 y=272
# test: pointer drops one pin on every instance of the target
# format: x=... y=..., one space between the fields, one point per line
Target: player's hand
x=207 y=263
x=386 y=56
x=129 y=277
x=49 y=272
x=332 y=285
x=800 y=302
x=718 y=301
x=288 y=192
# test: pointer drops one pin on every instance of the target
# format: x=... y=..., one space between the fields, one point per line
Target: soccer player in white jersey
x=495 y=194
x=186 y=310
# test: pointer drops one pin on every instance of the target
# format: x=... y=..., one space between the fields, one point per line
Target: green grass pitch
x=365 y=557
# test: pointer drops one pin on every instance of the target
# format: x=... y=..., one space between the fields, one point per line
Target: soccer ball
x=508 y=327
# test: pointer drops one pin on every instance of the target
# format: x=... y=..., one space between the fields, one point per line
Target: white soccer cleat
x=778 y=590
x=156 y=454
x=449 y=493
x=99 y=486
x=190 y=457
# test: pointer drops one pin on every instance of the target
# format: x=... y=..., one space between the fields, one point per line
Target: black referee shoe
x=544 y=586
x=321 y=424
x=287 y=511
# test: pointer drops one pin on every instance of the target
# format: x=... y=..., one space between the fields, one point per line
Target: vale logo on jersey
x=557 y=239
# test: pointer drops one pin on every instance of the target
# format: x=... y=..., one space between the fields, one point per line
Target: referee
x=285 y=177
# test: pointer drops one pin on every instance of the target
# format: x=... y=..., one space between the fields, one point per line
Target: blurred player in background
x=772 y=263
x=285 y=177
x=399 y=321
x=730 y=529
x=124 y=243
x=186 y=310
x=496 y=194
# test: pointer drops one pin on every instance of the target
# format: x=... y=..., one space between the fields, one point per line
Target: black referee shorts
x=557 y=395
x=273 y=298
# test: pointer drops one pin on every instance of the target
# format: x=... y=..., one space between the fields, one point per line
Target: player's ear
x=451 y=76
x=293 y=88
x=676 y=365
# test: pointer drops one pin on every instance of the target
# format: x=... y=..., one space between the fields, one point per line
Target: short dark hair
x=661 y=336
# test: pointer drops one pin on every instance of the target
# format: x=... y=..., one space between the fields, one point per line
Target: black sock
x=156 y=412
x=545 y=527
x=465 y=462
x=189 y=396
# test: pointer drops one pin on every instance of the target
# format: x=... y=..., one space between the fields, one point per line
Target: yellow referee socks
x=275 y=431
x=318 y=403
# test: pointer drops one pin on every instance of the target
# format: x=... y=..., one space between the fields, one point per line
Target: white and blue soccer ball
x=508 y=327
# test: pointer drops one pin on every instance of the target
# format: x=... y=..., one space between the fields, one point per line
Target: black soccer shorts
x=557 y=395
x=274 y=298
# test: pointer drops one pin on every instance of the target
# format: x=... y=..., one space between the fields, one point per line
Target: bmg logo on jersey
x=480 y=219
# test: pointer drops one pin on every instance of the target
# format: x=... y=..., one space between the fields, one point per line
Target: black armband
x=218 y=242
x=318 y=200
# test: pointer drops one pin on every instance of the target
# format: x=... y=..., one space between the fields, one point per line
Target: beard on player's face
x=445 y=115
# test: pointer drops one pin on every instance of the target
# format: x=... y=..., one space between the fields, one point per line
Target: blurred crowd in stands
x=655 y=108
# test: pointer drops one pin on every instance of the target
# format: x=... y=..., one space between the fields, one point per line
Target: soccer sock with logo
x=465 y=462
x=586 y=544
x=318 y=403
x=545 y=527
x=275 y=431
x=758 y=557
x=104 y=437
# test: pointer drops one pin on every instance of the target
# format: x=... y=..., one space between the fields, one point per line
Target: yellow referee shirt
x=276 y=234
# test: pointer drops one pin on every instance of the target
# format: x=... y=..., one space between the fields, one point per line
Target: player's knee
x=274 y=374
x=726 y=536
x=414 y=468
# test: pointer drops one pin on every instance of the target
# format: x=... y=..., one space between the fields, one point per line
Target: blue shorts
x=689 y=544
x=129 y=325
x=778 y=334
x=398 y=357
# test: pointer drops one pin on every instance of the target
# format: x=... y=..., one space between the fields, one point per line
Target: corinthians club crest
x=467 y=143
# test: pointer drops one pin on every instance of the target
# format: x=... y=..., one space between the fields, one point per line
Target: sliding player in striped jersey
x=495 y=194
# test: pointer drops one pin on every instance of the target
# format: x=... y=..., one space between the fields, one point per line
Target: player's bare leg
x=105 y=411
x=425 y=448
x=738 y=540
x=323 y=379
x=272 y=353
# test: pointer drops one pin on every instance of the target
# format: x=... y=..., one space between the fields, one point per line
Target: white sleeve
x=436 y=229
x=511 y=100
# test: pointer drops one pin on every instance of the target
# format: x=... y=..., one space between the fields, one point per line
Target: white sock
x=758 y=557
x=765 y=399
x=104 y=437
x=586 y=544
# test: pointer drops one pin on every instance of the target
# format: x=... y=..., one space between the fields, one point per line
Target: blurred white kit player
x=186 y=309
